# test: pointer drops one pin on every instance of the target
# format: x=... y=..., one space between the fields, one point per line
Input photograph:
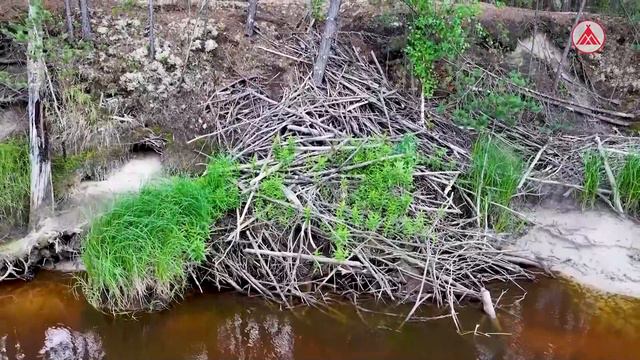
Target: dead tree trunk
x=330 y=28
x=152 y=35
x=251 y=17
x=86 y=25
x=67 y=9
x=41 y=203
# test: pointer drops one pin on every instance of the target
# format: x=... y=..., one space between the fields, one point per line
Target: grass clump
x=14 y=182
x=593 y=167
x=493 y=177
x=138 y=254
x=628 y=181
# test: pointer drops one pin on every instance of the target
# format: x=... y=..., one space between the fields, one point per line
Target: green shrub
x=436 y=33
x=476 y=107
x=493 y=178
x=593 y=167
x=14 y=182
x=138 y=254
x=628 y=181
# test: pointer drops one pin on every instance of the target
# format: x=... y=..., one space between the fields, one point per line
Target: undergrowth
x=139 y=254
x=493 y=178
x=593 y=168
x=14 y=182
x=476 y=106
x=628 y=182
x=436 y=33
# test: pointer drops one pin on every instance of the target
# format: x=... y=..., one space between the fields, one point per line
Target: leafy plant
x=593 y=167
x=493 y=178
x=476 y=106
x=436 y=33
x=14 y=182
x=317 y=7
x=628 y=182
x=273 y=188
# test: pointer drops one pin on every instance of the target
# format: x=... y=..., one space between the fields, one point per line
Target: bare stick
x=487 y=305
x=320 y=259
x=330 y=28
x=251 y=17
x=531 y=166
x=567 y=47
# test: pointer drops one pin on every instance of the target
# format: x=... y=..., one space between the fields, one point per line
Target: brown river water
x=44 y=319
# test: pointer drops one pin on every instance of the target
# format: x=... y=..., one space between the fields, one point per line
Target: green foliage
x=12 y=81
x=436 y=33
x=593 y=167
x=284 y=154
x=14 y=182
x=140 y=252
x=628 y=182
x=273 y=188
x=80 y=103
x=493 y=178
x=476 y=107
x=317 y=7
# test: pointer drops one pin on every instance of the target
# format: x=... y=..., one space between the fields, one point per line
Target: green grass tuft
x=628 y=181
x=493 y=177
x=14 y=182
x=138 y=254
x=593 y=167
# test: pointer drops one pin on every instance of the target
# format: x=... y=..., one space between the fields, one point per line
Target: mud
x=594 y=247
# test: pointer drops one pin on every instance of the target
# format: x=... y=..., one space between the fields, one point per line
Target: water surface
x=556 y=320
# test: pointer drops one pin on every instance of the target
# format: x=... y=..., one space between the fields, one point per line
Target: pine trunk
x=67 y=9
x=41 y=202
x=330 y=29
x=86 y=25
x=251 y=17
x=152 y=36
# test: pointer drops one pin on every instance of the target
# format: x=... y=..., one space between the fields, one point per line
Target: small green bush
x=493 y=178
x=628 y=181
x=138 y=254
x=436 y=33
x=593 y=168
x=14 y=182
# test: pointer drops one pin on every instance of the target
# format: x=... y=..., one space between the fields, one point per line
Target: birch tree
x=41 y=199
x=86 y=17
x=330 y=29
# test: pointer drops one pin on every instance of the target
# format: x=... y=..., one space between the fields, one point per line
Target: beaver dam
x=413 y=159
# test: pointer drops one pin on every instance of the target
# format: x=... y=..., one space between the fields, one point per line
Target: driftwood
x=330 y=29
x=251 y=17
x=41 y=203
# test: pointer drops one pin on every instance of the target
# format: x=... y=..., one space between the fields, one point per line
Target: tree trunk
x=251 y=17
x=152 y=35
x=86 y=25
x=67 y=9
x=41 y=203
x=330 y=28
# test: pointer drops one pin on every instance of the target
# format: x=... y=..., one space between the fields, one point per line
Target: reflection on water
x=44 y=320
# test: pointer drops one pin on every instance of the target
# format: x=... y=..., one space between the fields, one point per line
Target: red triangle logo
x=588 y=37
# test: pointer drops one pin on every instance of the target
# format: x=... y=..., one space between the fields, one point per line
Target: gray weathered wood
x=152 y=36
x=67 y=10
x=41 y=201
x=251 y=17
x=330 y=29
x=86 y=24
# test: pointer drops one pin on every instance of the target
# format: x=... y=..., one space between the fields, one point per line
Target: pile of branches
x=294 y=259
